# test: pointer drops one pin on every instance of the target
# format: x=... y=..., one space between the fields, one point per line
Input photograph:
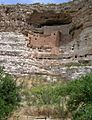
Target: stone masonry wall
x=44 y=41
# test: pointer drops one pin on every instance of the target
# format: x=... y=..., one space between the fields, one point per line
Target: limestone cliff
x=73 y=20
x=21 y=17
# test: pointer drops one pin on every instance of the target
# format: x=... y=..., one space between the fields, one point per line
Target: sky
x=31 y=1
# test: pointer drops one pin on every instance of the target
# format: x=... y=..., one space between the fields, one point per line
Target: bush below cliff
x=9 y=95
x=72 y=99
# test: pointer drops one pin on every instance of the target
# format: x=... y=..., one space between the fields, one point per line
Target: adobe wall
x=45 y=41
x=63 y=28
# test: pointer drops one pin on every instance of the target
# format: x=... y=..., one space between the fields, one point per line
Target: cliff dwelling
x=51 y=41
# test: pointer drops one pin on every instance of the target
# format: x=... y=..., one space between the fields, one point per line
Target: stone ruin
x=61 y=44
x=43 y=41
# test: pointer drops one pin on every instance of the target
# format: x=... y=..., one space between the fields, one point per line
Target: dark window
x=75 y=56
x=72 y=48
x=85 y=55
x=46 y=17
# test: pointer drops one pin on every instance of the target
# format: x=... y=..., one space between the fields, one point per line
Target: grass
x=65 y=100
x=46 y=98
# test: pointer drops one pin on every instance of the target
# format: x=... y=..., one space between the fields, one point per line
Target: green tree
x=9 y=94
x=80 y=98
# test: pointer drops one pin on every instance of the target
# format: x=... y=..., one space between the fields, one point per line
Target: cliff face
x=73 y=20
x=21 y=17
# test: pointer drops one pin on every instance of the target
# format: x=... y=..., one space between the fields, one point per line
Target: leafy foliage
x=80 y=98
x=73 y=97
x=9 y=94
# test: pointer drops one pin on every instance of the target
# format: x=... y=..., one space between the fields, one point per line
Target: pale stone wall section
x=44 y=41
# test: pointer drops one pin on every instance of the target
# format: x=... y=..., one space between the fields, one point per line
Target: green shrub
x=48 y=96
x=9 y=95
x=73 y=97
x=80 y=98
x=83 y=113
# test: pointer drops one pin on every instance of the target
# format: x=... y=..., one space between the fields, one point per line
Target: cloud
x=48 y=1
x=41 y=1
x=36 y=1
